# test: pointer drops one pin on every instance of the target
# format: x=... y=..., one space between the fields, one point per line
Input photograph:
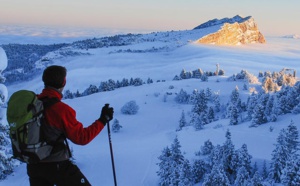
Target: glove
x=106 y=114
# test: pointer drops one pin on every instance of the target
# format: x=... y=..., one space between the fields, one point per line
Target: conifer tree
x=217 y=176
x=264 y=170
x=182 y=121
x=199 y=168
x=279 y=157
x=242 y=177
x=256 y=180
x=244 y=158
x=177 y=160
x=186 y=176
x=233 y=115
x=165 y=167
x=227 y=154
x=211 y=115
x=6 y=163
x=258 y=116
x=291 y=172
x=207 y=148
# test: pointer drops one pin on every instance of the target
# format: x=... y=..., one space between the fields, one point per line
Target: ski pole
x=111 y=152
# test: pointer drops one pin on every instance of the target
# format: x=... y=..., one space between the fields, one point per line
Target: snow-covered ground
x=143 y=136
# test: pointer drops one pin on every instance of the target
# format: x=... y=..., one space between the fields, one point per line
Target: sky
x=276 y=17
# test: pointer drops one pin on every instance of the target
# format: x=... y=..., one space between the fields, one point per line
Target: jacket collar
x=50 y=92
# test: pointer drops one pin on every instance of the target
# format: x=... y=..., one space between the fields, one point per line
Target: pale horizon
x=273 y=17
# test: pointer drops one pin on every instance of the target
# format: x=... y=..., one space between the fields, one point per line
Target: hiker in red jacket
x=61 y=124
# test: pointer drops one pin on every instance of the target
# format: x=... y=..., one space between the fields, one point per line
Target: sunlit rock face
x=234 y=31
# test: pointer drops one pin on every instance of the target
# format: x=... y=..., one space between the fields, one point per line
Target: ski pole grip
x=107 y=117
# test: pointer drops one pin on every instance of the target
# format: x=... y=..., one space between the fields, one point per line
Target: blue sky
x=273 y=17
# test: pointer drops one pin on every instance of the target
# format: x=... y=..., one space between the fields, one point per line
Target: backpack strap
x=48 y=102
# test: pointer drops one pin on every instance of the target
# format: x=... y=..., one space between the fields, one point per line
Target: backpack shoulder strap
x=48 y=102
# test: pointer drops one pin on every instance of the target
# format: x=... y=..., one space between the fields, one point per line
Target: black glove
x=106 y=114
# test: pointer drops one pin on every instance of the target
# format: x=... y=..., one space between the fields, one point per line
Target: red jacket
x=62 y=120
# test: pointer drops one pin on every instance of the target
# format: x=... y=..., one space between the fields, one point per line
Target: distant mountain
x=295 y=36
x=233 y=31
x=214 y=22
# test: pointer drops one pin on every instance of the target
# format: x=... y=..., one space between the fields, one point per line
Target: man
x=61 y=123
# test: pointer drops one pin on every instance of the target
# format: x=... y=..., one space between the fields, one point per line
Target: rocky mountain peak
x=233 y=31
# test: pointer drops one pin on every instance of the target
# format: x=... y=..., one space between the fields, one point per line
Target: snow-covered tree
x=233 y=115
x=165 y=167
x=211 y=114
x=242 y=177
x=193 y=96
x=291 y=172
x=217 y=104
x=116 y=126
x=177 y=161
x=6 y=163
x=228 y=151
x=199 y=169
x=182 y=121
x=200 y=103
x=207 y=148
x=182 y=97
x=217 y=176
x=258 y=116
x=186 y=176
x=285 y=149
x=244 y=158
x=256 y=180
x=130 y=108
x=265 y=171
x=251 y=103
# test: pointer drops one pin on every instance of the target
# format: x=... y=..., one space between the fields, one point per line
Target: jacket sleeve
x=75 y=131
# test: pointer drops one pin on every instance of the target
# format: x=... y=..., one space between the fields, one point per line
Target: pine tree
x=207 y=148
x=165 y=167
x=116 y=126
x=256 y=180
x=244 y=158
x=6 y=163
x=186 y=176
x=279 y=157
x=182 y=97
x=199 y=168
x=264 y=170
x=197 y=122
x=217 y=104
x=228 y=151
x=217 y=176
x=258 y=116
x=208 y=93
x=182 y=121
x=233 y=115
x=200 y=103
x=292 y=138
x=177 y=160
x=193 y=96
x=211 y=115
x=242 y=177
x=235 y=95
x=291 y=173
x=251 y=103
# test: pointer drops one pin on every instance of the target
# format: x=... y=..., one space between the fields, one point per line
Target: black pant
x=55 y=173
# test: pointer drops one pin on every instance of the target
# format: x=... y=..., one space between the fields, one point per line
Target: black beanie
x=55 y=76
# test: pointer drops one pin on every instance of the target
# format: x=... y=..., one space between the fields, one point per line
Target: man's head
x=55 y=76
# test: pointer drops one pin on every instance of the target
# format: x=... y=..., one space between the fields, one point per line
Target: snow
x=144 y=135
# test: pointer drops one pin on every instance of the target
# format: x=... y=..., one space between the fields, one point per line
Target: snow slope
x=143 y=136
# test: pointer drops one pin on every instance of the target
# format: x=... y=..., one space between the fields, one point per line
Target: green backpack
x=26 y=120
